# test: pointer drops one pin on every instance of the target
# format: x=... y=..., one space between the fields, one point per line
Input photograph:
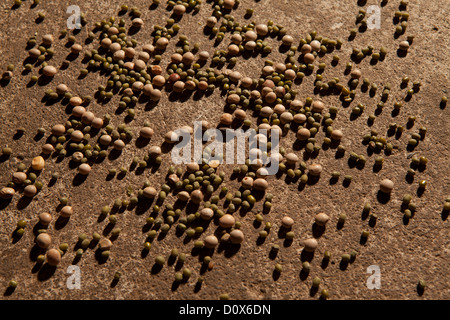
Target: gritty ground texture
x=405 y=251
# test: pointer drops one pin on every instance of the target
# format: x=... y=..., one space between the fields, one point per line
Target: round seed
x=66 y=211
x=211 y=241
x=310 y=244
x=236 y=236
x=386 y=186
x=43 y=240
x=322 y=219
x=45 y=218
x=53 y=257
x=227 y=221
x=38 y=163
x=287 y=222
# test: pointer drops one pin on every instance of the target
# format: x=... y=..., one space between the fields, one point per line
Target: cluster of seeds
x=133 y=71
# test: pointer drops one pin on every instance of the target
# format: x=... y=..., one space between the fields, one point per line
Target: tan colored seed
x=154 y=151
x=287 y=40
x=179 y=9
x=119 y=144
x=192 y=167
x=53 y=257
x=44 y=240
x=309 y=58
x=84 y=169
x=77 y=136
x=300 y=118
x=287 y=222
x=322 y=219
x=34 y=53
x=61 y=88
x=137 y=86
x=236 y=38
x=236 y=236
x=137 y=22
x=47 y=39
x=286 y=117
x=105 y=140
x=176 y=58
x=228 y=4
x=250 y=36
x=203 y=55
x=105 y=244
x=292 y=158
x=97 y=123
x=206 y=213
x=45 y=218
x=144 y=56
x=226 y=119
x=227 y=221
x=303 y=134
x=296 y=105
x=317 y=106
x=290 y=74
x=211 y=22
x=78 y=111
x=38 y=163
x=261 y=29
x=355 y=74
x=336 y=134
x=155 y=95
x=105 y=43
x=49 y=71
x=66 y=211
x=211 y=242
x=158 y=81
x=233 y=98
x=146 y=133
x=162 y=43
x=150 y=192
x=315 y=45
x=260 y=184
x=183 y=196
x=178 y=86
x=235 y=76
x=149 y=48
x=315 y=169
x=58 y=130
x=196 y=196
x=386 y=186
x=310 y=244
x=404 y=45
x=76 y=48
x=188 y=58
x=233 y=49
x=75 y=101
x=271 y=97
x=147 y=90
x=19 y=177
x=119 y=55
x=247 y=182
x=171 y=137
x=115 y=47
x=29 y=191
x=47 y=148
x=7 y=193
x=139 y=65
